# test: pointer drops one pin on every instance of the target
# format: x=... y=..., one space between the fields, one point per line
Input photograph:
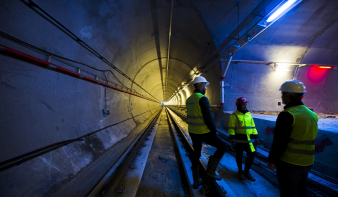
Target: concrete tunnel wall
x=41 y=107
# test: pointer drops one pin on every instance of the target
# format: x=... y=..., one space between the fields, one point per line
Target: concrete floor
x=228 y=170
x=161 y=178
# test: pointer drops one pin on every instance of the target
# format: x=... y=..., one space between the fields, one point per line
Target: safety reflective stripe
x=231 y=127
x=196 y=124
x=299 y=151
x=245 y=127
x=195 y=117
x=306 y=142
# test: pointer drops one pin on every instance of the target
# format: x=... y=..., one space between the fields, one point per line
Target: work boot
x=212 y=165
x=241 y=175
x=197 y=180
x=249 y=176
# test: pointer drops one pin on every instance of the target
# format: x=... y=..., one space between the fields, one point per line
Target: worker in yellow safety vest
x=202 y=129
x=242 y=134
x=293 y=148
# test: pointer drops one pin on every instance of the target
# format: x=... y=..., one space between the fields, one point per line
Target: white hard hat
x=200 y=79
x=293 y=86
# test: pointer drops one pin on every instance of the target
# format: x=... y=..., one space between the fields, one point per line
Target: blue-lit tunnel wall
x=305 y=35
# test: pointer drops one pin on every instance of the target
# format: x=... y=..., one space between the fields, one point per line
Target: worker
x=242 y=133
x=293 y=147
x=202 y=129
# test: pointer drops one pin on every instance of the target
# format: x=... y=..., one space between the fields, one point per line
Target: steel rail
x=213 y=188
x=180 y=161
x=109 y=184
x=113 y=182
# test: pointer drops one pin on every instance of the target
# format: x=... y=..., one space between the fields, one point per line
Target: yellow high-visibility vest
x=196 y=123
x=301 y=146
x=242 y=129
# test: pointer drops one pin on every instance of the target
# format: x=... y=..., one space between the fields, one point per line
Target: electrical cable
x=57 y=24
x=61 y=59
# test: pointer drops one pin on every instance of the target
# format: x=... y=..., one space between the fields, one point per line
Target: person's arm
x=231 y=130
x=254 y=134
x=206 y=113
x=281 y=136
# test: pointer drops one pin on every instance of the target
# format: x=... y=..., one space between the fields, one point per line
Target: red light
x=316 y=74
x=325 y=67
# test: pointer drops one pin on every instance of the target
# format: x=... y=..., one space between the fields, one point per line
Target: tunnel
x=81 y=81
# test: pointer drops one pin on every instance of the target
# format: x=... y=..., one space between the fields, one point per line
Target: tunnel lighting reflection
x=282 y=69
x=278 y=12
x=316 y=74
x=325 y=67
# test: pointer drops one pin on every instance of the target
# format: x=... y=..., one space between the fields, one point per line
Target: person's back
x=202 y=129
x=194 y=114
x=301 y=146
x=293 y=148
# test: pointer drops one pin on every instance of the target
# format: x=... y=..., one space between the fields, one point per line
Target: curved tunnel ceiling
x=133 y=35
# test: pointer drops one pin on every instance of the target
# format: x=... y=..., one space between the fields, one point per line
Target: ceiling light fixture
x=325 y=67
x=282 y=69
x=278 y=12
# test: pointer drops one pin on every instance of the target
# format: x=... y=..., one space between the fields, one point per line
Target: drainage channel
x=163 y=174
x=113 y=183
x=152 y=166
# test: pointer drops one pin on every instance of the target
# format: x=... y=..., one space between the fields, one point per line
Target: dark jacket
x=282 y=133
x=206 y=112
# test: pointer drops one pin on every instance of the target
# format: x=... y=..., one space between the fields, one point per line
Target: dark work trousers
x=209 y=138
x=292 y=179
x=240 y=147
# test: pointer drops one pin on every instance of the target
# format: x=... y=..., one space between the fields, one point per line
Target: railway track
x=136 y=172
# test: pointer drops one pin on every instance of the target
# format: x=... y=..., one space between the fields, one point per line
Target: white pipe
x=222 y=80
x=227 y=65
x=222 y=91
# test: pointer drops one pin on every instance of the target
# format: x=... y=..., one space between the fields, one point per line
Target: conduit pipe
x=168 y=55
x=57 y=24
x=221 y=105
x=10 y=51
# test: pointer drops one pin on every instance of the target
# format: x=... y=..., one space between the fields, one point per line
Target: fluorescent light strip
x=280 y=10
